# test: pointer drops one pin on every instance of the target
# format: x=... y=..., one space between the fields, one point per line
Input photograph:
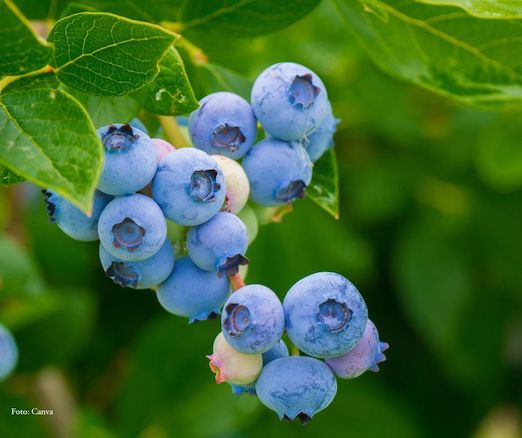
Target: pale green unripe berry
x=232 y=366
x=236 y=183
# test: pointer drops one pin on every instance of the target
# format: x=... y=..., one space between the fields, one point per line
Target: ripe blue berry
x=130 y=160
x=192 y=292
x=325 y=315
x=253 y=319
x=132 y=228
x=296 y=386
x=321 y=140
x=8 y=352
x=278 y=171
x=366 y=355
x=219 y=244
x=144 y=274
x=189 y=186
x=232 y=366
x=289 y=100
x=224 y=124
x=73 y=221
x=278 y=350
x=236 y=181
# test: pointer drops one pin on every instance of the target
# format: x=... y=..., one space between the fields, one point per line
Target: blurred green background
x=430 y=233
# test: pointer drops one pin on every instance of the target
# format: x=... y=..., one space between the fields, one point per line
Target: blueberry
x=138 y=124
x=289 y=100
x=366 y=355
x=232 y=366
x=132 y=228
x=296 y=386
x=73 y=221
x=145 y=274
x=325 y=315
x=130 y=160
x=236 y=181
x=321 y=140
x=163 y=148
x=253 y=319
x=219 y=244
x=278 y=350
x=278 y=171
x=192 y=292
x=224 y=124
x=189 y=186
x=8 y=352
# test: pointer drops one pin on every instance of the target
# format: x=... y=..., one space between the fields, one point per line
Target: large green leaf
x=105 y=110
x=8 y=177
x=324 y=188
x=237 y=18
x=170 y=92
x=441 y=48
x=484 y=8
x=224 y=18
x=103 y=54
x=213 y=77
x=21 y=51
x=48 y=138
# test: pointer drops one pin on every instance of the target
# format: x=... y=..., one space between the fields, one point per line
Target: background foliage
x=429 y=228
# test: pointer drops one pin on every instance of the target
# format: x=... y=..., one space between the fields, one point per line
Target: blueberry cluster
x=149 y=188
x=324 y=316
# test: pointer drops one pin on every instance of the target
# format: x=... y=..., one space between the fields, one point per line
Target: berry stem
x=173 y=131
x=281 y=212
x=236 y=281
x=294 y=351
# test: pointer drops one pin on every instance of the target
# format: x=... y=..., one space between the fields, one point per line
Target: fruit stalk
x=172 y=131
x=236 y=281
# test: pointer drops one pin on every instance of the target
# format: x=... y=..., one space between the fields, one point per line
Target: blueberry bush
x=182 y=135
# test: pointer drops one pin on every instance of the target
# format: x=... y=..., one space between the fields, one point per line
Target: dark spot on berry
x=119 y=139
x=334 y=315
x=237 y=319
x=123 y=274
x=302 y=92
x=231 y=265
x=303 y=418
x=212 y=315
x=203 y=185
x=50 y=205
x=291 y=191
x=227 y=137
x=127 y=234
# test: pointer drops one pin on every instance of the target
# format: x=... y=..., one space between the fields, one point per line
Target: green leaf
x=214 y=77
x=324 y=188
x=42 y=9
x=209 y=18
x=484 y=8
x=21 y=50
x=48 y=138
x=105 y=110
x=170 y=92
x=103 y=54
x=8 y=177
x=240 y=18
x=480 y=67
